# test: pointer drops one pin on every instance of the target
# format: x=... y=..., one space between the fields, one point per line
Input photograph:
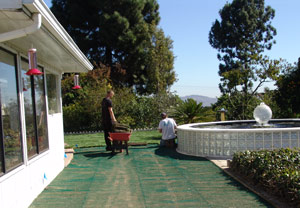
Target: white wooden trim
x=51 y=23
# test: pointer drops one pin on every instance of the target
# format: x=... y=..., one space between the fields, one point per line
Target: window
x=41 y=113
x=53 y=105
x=11 y=152
x=35 y=112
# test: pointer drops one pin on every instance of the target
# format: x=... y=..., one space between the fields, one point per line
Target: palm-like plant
x=190 y=112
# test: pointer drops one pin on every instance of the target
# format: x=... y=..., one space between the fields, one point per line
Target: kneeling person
x=167 y=127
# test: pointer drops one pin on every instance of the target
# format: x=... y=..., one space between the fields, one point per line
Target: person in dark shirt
x=108 y=118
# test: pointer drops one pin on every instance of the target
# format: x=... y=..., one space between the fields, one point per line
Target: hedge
x=277 y=171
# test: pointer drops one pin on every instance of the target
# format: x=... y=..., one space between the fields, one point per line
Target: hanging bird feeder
x=33 y=70
x=76 y=82
x=23 y=83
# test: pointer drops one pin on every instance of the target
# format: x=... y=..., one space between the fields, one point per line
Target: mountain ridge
x=205 y=100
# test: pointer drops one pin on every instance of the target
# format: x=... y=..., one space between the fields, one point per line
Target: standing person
x=108 y=118
x=167 y=127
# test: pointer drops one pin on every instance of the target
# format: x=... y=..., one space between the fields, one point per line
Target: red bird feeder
x=76 y=82
x=23 y=82
x=33 y=70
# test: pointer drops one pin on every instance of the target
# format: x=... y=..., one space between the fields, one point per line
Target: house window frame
x=18 y=56
x=20 y=103
x=38 y=151
x=57 y=92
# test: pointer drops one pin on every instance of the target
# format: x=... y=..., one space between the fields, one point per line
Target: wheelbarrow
x=117 y=141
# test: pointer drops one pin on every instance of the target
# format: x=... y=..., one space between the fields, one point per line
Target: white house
x=31 y=124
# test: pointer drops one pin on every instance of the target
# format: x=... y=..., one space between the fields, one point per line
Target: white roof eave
x=50 y=22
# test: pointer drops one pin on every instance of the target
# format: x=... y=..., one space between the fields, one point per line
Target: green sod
x=147 y=177
x=94 y=140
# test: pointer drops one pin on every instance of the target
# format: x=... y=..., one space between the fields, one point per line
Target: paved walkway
x=148 y=177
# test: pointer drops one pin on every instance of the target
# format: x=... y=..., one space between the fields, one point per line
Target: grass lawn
x=93 y=140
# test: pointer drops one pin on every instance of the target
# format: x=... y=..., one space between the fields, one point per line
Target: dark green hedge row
x=277 y=171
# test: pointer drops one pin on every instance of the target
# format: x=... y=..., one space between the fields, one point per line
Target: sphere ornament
x=262 y=114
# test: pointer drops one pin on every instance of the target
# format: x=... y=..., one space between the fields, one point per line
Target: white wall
x=21 y=186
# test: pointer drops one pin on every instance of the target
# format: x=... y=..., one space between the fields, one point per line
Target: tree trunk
x=108 y=56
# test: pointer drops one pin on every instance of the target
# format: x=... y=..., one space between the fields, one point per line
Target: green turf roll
x=121 y=128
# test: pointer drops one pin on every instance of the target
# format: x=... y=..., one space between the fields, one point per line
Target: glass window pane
x=41 y=118
x=52 y=93
x=10 y=113
x=35 y=112
x=29 y=113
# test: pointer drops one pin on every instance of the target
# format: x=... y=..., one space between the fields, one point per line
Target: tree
x=233 y=103
x=189 y=111
x=241 y=37
x=82 y=108
x=117 y=33
x=160 y=73
x=269 y=98
x=287 y=94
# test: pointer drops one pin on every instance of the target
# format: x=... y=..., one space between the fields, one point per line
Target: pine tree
x=243 y=34
x=117 y=33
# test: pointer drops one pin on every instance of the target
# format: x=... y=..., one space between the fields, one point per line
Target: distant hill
x=207 y=101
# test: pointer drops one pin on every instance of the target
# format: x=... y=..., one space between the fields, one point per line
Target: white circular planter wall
x=216 y=142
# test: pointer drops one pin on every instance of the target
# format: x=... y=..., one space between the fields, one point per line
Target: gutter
x=37 y=22
x=53 y=27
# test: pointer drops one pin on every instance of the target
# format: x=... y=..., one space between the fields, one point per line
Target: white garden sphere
x=262 y=114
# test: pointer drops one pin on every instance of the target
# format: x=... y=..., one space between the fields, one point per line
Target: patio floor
x=148 y=177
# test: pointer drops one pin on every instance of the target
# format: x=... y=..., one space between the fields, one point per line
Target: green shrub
x=278 y=171
x=82 y=108
x=189 y=111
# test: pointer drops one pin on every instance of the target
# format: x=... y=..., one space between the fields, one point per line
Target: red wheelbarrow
x=117 y=141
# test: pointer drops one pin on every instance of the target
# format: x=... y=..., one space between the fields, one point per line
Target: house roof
x=55 y=48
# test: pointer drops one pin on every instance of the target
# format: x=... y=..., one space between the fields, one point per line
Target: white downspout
x=37 y=22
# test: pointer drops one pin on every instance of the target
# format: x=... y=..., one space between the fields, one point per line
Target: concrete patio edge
x=69 y=154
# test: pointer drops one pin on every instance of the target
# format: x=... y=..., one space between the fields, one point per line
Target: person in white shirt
x=167 y=127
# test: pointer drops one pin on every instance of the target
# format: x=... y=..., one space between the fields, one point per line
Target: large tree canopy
x=160 y=73
x=287 y=94
x=120 y=34
x=241 y=37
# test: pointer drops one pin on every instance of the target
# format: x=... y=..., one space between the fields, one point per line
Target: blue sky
x=188 y=23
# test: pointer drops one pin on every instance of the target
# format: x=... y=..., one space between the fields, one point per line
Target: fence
x=101 y=131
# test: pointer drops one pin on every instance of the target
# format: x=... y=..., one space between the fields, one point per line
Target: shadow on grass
x=99 y=154
x=95 y=154
x=172 y=153
x=148 y=146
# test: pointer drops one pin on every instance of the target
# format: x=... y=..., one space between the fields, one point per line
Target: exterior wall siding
x=19 y=187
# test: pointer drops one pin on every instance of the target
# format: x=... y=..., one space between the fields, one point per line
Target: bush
x=141 y=111
x=189 y=111
x=239 y=106
x=278 y=171
x=82 y=108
